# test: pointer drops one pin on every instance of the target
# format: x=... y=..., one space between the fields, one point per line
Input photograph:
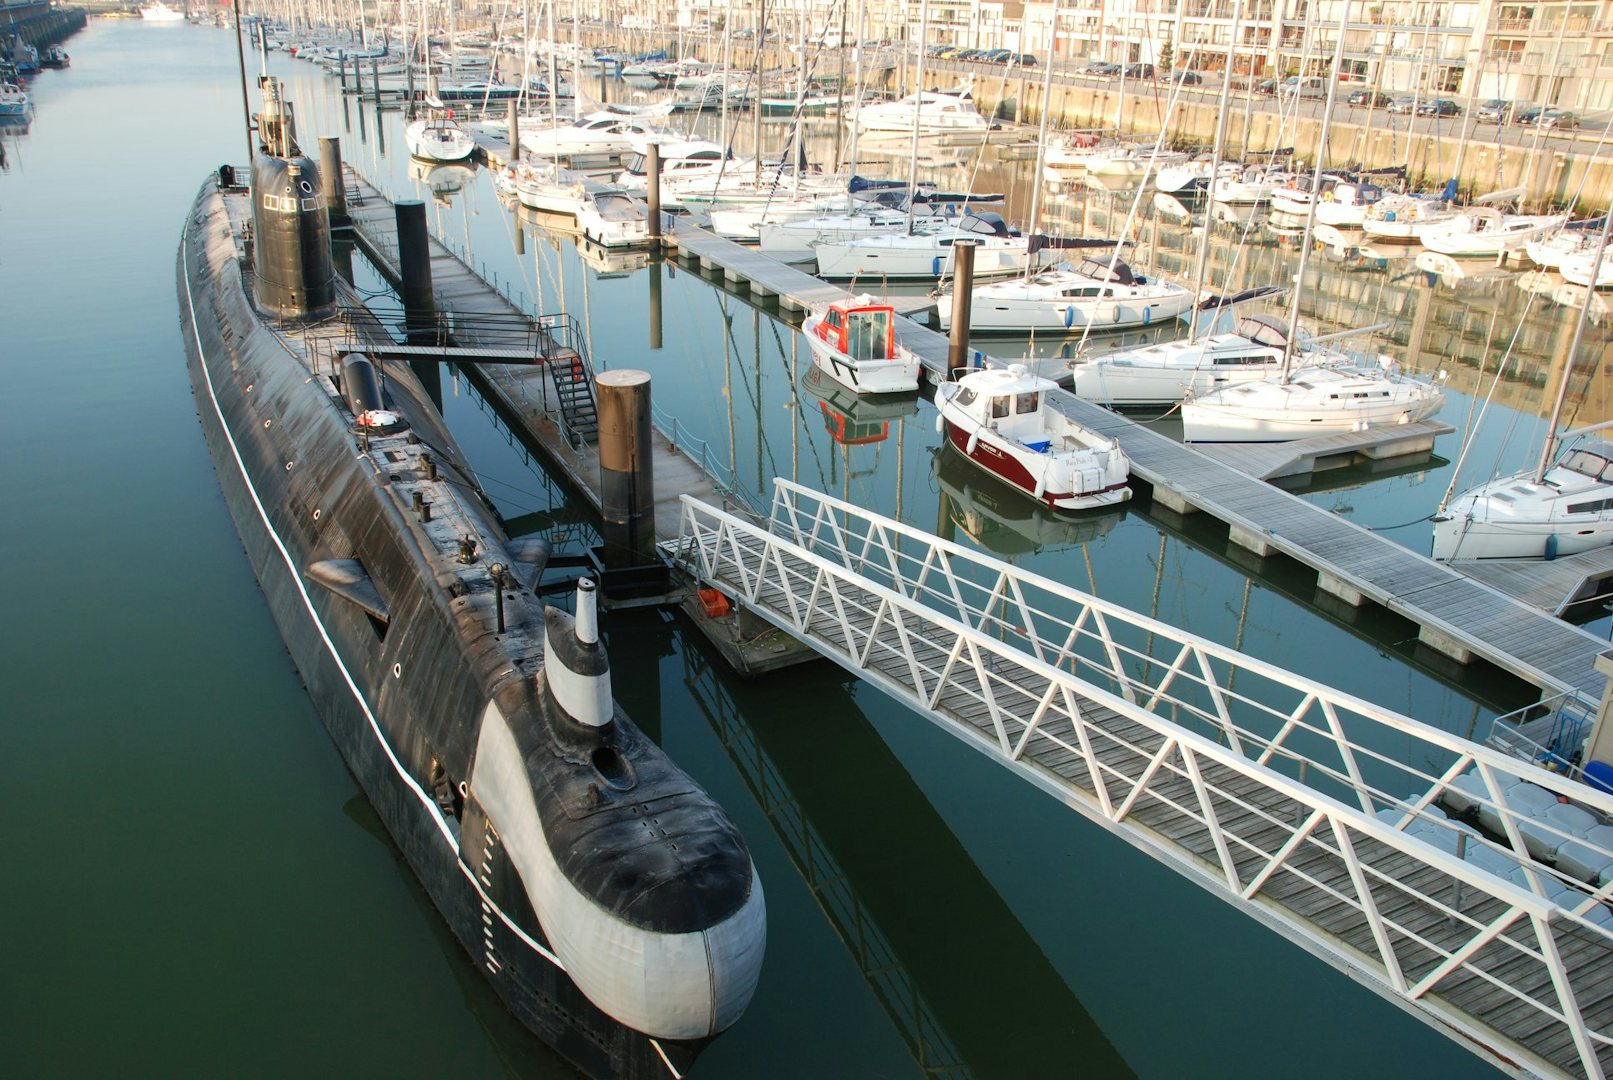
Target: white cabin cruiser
x=925 y=255
x=999 y=418
x=1098 y=293
x=932 y=113
x=612 y=218
x=1404 y=217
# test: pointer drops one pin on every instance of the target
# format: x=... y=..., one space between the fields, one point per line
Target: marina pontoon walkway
x=1276 y=793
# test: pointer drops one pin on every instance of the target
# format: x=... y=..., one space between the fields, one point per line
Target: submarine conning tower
x=293 y=274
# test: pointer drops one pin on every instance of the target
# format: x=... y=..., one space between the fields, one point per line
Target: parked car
x=1266 y=86
x=1403 y=104
x=1024 y=59
x=997 y=56
x=1102 y=69
x=1138 y=71
x=1187 y=78
x=1309 y=86
x=1438 y=107
x=1494 y=111
x=1375 y=98
x=1558 y=118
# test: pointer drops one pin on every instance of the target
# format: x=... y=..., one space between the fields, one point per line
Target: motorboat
x=1161 y=375
x=438 y=138
x=1000 y=419
x=1485 y=231
x=54 y=56
x=157 y=11
x=679 y=158
x=612 y=218
x=930 y=112
x=604 y=134
x=1316 y=400
x=1099 y=293
x=927 y=255
x=854 y=342
x=1567 y=511
x=14 y=100
x=798 y=238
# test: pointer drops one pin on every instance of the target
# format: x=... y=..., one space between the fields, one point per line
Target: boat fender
x=1116 y=316
x=1069 y=316
x=940 y=424
x=1148 y=315
x=1041 y=486
x=974 y=440
x=935 y=266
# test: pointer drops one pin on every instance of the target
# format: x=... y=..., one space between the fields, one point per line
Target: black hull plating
x=288 y=515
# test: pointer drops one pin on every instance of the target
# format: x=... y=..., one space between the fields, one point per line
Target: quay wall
x=47 y=27
x=1563 y=169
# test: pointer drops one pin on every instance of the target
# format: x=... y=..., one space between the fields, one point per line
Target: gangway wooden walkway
x=1270 y=790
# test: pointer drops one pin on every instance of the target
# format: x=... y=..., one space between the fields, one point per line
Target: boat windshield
x=1588 y=464
x=866 y=334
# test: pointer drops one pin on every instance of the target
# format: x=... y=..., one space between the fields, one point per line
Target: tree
x=1167 y=53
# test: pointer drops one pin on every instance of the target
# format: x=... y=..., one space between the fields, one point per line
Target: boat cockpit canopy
x=1100 y=269
x=1593 y=458
x=1264 y=330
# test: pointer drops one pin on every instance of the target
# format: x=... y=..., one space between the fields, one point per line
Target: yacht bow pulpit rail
x=1272 y=791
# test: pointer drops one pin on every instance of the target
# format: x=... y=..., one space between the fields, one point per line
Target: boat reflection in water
x=611 y=262
x=1001 y=520
x=853 y=419
x=443 y=180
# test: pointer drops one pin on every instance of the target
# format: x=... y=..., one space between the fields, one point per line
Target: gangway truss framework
x=1311 y=810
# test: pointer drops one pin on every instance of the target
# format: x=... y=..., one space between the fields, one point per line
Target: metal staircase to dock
x=1279 y=794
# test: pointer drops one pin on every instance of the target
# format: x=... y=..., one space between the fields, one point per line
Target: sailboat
x=438 y=137
x=1563 y=506
x=1314 y=400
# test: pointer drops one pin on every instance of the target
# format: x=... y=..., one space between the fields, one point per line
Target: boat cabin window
x=965 y=395
x=833 y=319
x=1000 y=406
x=1027 y=402
x=867 y=333
x=1587 y=464
x=1595 y=506
x=1242 y=361
x=1084 y=292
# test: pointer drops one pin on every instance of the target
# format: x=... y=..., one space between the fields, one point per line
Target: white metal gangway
x=1309 y=809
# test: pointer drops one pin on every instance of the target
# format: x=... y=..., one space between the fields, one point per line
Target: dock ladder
x=1310 y=810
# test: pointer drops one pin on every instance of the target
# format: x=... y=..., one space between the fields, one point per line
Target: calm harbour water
x=199 y=888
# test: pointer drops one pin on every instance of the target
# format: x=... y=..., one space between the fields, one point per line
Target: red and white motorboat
x=854 y=342
x=999 y=418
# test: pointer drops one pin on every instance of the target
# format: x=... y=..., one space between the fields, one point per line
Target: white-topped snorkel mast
x=574 y=660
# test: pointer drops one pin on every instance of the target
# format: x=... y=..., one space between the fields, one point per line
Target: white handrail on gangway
x=1312 y=810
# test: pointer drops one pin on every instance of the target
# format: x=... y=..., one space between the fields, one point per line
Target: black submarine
x=609 y=900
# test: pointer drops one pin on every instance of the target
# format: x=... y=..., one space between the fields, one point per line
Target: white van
x=1309 y=86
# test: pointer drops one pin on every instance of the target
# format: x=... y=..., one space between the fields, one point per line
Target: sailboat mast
x=1549 y=446
x=1316 y=184
x=1215 y=168
x=857 y=77
x=918 y=112
x=1041 y=133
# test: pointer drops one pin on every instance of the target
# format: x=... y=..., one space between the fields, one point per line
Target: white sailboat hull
x=921 y=260
x=1140 y=386
x=429 y=142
